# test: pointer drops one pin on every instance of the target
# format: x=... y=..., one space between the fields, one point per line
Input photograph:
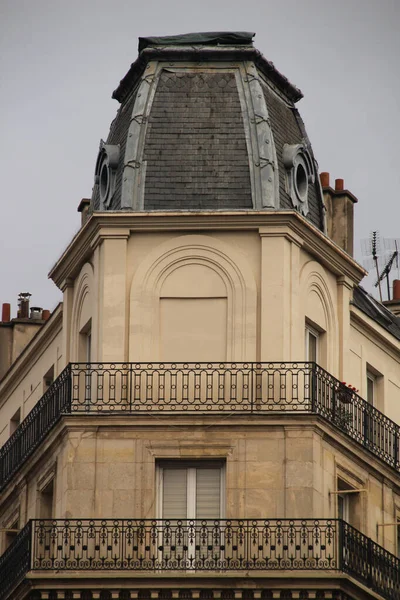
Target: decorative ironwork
x=36 y=425
x=200 y=545
x=184 y=544
x=202 y=388
x=15 y=562
x=370 y=563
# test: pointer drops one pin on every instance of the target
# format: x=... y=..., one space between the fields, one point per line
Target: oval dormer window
x=299 y=174
x=105 y=173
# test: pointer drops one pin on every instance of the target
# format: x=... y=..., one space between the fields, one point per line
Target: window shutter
x=208 y=493
x=174 y=494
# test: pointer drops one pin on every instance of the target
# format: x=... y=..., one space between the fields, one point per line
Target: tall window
x=48 y=379
x=191 y=490
x=15 y=421
x=312 y=343
x=46 y=500
x=371 y=385
x=11 y=533
x=348 y=504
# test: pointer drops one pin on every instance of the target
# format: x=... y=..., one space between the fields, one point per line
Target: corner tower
x=206 y=123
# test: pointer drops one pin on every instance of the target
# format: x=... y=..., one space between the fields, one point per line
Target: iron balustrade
x=202 y=388
x=15 y=562
x=219 y=546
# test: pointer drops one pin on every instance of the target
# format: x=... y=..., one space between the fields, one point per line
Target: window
x=46 y=499
x=15 y=421
x=85 y=343
x=312 y=343
x=348 y=503
x=191 y=490
x=343 y=507
x=48 y=379
x=371 y=384
x=11 y=533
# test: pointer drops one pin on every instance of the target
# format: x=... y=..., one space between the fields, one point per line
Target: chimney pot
x=324 y=178
x=36 y=312
x=396 y=289
x=45 y=314
x=23 y=305
x=339 y=185
x=6 y=312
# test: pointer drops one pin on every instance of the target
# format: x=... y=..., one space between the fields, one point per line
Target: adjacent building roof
x=376 y=311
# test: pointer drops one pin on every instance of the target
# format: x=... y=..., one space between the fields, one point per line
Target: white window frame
x=309 y=330
x=191 y=467
x=344 y=498
x=371 y=378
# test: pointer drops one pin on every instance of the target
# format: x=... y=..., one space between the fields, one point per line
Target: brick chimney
x=84 y=209
x=15 y=334
x=339 y=204
x=394 y=304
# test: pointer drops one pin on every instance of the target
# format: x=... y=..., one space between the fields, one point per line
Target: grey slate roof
x=376 y=311
x=195 y=147
x=194 y=144
x=288 y=128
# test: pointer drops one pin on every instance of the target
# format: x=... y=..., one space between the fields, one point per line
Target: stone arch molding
x=225 y=261
x=314 y=280
x=82 y=306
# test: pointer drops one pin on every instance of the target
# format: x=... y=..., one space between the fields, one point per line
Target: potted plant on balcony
x=346 y=392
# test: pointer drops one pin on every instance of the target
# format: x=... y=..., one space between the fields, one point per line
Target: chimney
x=45 y=314
x=6 y=312
x=339 y=204
x=23 y=305
x=36 y=312
x=394 y=304
x=83 y=208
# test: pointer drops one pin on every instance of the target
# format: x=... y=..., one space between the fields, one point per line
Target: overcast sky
x=60 y=60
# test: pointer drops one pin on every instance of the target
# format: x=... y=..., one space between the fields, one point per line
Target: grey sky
x=60 y=61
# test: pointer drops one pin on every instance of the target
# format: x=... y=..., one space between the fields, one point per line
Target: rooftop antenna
x=371 y=249
x=386 y=270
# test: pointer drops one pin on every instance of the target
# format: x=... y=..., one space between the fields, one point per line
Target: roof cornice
x=199 y=53
x=103 y=225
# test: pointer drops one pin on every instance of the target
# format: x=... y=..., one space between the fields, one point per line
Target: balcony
x=202 y=389
x=219 y=547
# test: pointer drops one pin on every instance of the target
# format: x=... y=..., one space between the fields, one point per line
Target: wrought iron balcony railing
x=202 y=388
x=218 y=546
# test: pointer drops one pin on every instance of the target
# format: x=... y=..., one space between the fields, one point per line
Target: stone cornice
x=29 y=355
x=103 y=225
x=200 y=53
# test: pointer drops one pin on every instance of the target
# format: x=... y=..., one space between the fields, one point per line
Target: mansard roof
x=207 y=123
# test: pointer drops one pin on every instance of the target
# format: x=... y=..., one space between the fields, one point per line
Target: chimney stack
x=83 y=208
x=339 y=204
x=6 y=312
x=23 y=305
x=394 y=304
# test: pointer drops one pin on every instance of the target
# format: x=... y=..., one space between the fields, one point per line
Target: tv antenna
x=394 y=259
x=371 y=250
x=381 y=254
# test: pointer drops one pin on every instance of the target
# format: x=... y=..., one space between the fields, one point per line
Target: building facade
x=212 y=411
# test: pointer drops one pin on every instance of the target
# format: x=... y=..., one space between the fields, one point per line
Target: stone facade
x=203 y=342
